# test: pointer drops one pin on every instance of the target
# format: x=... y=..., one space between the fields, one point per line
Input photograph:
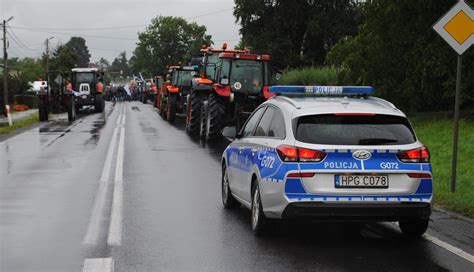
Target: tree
x=166 y=41
x=103 y=64
x=120 y=65
x=296 y=33
x=79 y=47
x=63 y=58
x=399 y=53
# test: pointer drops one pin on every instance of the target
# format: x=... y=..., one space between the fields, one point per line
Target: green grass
x=437 y=135
x=19 y=124
x=310 y=76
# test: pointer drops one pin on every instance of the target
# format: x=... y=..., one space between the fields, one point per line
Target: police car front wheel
x=228 y=200
x=414 y=228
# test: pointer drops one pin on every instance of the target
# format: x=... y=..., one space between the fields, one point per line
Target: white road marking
x=93 y=229
x=115 y=226
x=98 y=265
x=123 y=119
x=457 y=251
x=461 y=253
x=119 y=119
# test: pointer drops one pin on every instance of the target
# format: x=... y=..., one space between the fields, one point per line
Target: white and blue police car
x=328 y=153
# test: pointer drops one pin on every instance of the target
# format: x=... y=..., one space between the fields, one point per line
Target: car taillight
x=299 y=154
x=419 y=175
x=419 y=155
x=309 y=155
x=288 y=153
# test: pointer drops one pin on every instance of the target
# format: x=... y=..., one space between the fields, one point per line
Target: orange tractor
x=202 y=86
x=173 y=98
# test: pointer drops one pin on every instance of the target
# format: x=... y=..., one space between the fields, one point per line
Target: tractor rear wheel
x=71 y=109
x=99 y=104
x=171 y=108
x=42 y=108
x=193 y=113
x=215 y=117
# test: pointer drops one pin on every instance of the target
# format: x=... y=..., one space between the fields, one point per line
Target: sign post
x=456 y=27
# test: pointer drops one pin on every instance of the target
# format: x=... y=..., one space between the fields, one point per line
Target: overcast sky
x=45 y=18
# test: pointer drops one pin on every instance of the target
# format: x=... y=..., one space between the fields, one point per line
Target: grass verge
x=437 y=135
x=33 y=118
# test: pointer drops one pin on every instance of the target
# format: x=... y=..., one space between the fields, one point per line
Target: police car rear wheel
x=260 y=223
x=228 y=200
x=414 y=228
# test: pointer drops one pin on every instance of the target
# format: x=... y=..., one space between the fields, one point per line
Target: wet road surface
x=125 y=190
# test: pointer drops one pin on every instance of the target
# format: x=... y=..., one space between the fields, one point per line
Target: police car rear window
x=332 y=129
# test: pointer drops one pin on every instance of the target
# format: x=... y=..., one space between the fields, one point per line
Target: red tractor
x=202 y=86
x=241 y=83
x=174 y=100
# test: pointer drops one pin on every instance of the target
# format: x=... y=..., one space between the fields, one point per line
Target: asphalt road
x=125 y=190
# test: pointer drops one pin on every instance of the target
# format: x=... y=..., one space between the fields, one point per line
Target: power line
x=108 y=28
x=73 y=34
x=18 y=40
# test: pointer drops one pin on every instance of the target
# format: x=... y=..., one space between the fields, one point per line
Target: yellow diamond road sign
x=457 y=27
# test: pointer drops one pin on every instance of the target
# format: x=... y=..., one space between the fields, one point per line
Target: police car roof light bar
x=322 y=90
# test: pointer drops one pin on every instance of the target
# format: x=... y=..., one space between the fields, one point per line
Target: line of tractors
x=221 y=87
x=218 y=88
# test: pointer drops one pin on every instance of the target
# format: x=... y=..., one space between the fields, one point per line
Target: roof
x=84 y=70
x=246 y=56
x=220 y=50
x=322 y=105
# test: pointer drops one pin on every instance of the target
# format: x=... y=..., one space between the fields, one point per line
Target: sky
x=36 y=20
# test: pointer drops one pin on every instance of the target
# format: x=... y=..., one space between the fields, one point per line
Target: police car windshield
x=331 y=129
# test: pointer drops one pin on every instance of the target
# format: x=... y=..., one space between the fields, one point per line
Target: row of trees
x=387 y=44
x=167 y=40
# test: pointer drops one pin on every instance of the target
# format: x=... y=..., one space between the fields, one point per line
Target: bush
x=311 y=76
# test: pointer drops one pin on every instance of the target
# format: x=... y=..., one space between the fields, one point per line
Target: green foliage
x=20 y=124
x=67 y=56
x=310 y=76
x=79 y=48
x=120 y=66
x=399 y=53
x=437 y=135
x=22 y=72
x=296 y=33
x=166 y=41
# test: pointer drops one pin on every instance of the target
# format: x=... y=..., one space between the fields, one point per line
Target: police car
x=328 y=153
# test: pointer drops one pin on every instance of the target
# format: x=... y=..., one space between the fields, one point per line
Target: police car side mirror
x=278 y=75
x=230 y=133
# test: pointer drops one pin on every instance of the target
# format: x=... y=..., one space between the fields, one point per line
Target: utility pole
x=47 y=58
x=5 y=67
x=47 y=53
